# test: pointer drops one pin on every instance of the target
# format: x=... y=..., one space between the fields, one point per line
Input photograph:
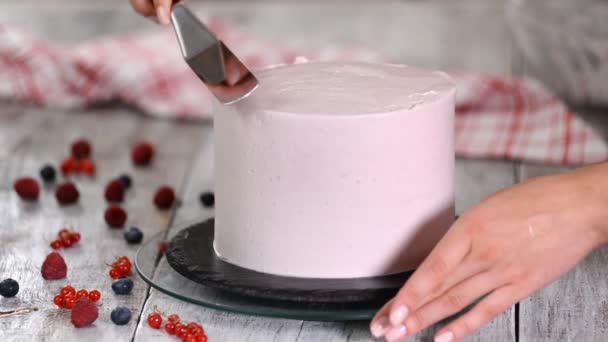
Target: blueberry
x=122 y=286
x=125 y=180
x=9 y=288
x=120 y=315
x=207 y=199
x=47 y=173
x=134 y=235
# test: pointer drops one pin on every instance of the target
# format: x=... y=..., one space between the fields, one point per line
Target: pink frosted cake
x=333 y=170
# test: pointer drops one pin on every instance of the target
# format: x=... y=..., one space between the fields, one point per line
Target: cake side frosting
x=335 y=193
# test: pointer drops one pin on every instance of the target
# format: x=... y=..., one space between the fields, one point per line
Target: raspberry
x=142 y=153
x=27 y=188
x=164 y=197
x=67 y=193
x=115 y=216
x=84 y=312
x=54 y=267
x=81 y=149
x=115 y=191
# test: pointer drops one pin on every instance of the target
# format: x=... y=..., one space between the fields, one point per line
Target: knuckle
x=454 y=302
x=415 y=323
x=438 y=267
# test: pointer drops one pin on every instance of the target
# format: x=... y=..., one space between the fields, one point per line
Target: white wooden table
x=456 y=34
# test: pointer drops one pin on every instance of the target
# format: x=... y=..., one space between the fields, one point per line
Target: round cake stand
x=159 y=274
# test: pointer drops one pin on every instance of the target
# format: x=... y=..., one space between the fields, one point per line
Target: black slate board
x=191 y=254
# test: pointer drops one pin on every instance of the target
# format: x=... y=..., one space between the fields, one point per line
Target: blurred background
x=564 y=43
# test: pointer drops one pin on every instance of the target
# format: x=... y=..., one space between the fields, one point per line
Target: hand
x=160 y=9
x=514 y=243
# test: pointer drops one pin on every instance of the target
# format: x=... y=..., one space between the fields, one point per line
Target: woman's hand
x=161 y=9
x=514 y=243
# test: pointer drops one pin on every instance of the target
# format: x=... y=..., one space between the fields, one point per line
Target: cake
x=335 y=170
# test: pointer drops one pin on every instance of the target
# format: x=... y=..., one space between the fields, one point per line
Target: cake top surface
x=334 y=88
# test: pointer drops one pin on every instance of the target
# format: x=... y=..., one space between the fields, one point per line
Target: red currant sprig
x=68 y=296
x=65 y=238
x=187 y=332
x=121 y=268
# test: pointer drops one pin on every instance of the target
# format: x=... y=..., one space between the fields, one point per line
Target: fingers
x=380 y=324
x=143 y=7
x=484 y=312
x=163 y=11
x=453 y=301
x=431 y=274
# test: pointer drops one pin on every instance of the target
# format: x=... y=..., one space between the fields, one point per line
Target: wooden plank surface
x=575 y=307
x=33 y=137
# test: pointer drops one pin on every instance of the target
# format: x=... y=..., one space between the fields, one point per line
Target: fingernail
x=447 y=336
x=380 y=326
x=396 y=333
x=399 y=314
x=162 y=15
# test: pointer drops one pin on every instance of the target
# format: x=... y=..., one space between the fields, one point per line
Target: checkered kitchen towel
x=497 y=117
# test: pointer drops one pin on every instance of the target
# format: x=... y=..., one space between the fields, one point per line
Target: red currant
x=64 y=234
x=68 y=290
x=68 y=302
x=68 y=166
x=66 y=243
x=202 y=338
x=75 y=237
x=189 y=338
x=124 y=270
x=173 y=318
x=154 y=320
x=82 y=293
x=182 y=331
x=124 y=259
x=94 y=295
x=56 y=244
x=58 y=300
x=170 y=328
x=114 y=273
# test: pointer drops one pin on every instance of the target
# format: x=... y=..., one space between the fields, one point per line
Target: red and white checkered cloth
x=497 y=117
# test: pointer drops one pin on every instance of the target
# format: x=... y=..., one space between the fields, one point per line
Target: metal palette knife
x=223 y=73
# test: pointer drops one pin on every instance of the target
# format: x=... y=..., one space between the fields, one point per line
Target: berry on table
x=58 y=300
x=121 y=268
x=134 y=235
x=125 y=179
x=47 y=173
x=207 y=199
x=114 y=273
x=87 y=167
x=66 y=243
x=9 y=288
x=181 y=330
x=56 y=244
x=120 y=315
x=173 y=318
x=84 y=312
x=142 y=153
x=170 y=328
x=75 y=237
x=67 y=290
x=68 y=166
x=27 y=188
x=67 y=193
x=94 y=295
x=81 y=149
x=115 y=191
x=115 y=216
x=54 y=267
x=155 y=320
x=122 y=286
x=164 y=197
x=68 y=301
x=82 y=293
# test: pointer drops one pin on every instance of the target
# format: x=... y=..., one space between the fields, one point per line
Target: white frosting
x=335 y=170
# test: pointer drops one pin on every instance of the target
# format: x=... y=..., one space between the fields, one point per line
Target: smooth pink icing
x=335 y=170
